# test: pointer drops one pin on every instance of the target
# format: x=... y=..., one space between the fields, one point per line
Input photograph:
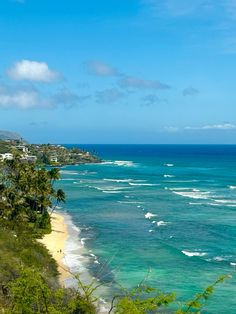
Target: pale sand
x=55 y=243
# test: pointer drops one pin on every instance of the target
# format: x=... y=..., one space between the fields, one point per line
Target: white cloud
x=224 y=126
x=29 y=97
x=220 y=127
x=100 y=68
x=32 y=71
x=22 y=98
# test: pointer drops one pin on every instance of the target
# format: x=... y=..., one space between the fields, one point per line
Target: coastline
x=55 y=242
x=72 y=258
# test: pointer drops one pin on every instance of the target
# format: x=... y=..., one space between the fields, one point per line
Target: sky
x=119 y=71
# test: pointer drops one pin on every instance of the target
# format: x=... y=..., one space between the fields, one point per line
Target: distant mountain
x=7 y=135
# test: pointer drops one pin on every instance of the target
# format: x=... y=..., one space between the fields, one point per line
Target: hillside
x=8 y=135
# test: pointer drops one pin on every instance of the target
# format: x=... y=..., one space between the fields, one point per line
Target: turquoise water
x=170 y=210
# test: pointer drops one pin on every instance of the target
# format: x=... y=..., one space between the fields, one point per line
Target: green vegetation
x=59 y=155
x=47 y=154
x=28 y=274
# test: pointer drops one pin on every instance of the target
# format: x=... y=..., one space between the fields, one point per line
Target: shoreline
x=72 y=258
x=55 y=242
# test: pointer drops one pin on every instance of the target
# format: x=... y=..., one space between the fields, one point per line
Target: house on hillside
x=6 y=156
x=22 y=148
x=31 y=158
x=53 y=159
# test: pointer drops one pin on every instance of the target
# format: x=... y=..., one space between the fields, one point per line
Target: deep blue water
x=170 y=209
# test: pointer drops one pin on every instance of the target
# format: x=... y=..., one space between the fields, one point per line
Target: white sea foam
x=169 y=165
x=149 y=215
x=161 y=223
x=111 y=192
x=233 y=264
x=125 y=163
x=232 y=187
x=86 y=172
x=182 y=181
x=183 y=189
x=168 y=176
x=154 y=221
x=131 y=202
x=82 y=240
x=96 y=262
x=193 y=253
x=143 y=184
x=69 y=172
x=226 y=201
x=219 y=258
x=195 y=194
x=115 y=188
x=123 y=180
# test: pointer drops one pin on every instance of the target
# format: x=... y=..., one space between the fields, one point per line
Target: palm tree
x=60 y=198
x=54 y=174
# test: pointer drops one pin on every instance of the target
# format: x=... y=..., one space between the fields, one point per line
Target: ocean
x=166 y=213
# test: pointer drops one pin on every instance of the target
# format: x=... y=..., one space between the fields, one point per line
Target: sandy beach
x=55 y=243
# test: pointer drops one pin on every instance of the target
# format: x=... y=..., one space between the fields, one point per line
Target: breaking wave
x=125 y=163
x=187 y=253
x=149 y=215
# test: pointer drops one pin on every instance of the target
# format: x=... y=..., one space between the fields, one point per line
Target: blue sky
x=119 y=71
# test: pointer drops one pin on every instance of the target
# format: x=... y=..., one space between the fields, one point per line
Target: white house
x=22 y=148
x=54 y=159
x=7 y=156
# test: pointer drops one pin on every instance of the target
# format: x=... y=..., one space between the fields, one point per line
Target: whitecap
x=143 y=184
x=233 y=264
x=69 y=172
x=123 y=180
x=150 y=230
x=183 y=189
x=226 y=201
x=82 y=240
x=232 y=187
x=149 y=215
x=161 y=223
x=131 y=202
x=193 y=253
x=193 y=194
x=219 y=259
x=182 y=181
x=168 y=176
x=169 y=165
x=125 y=163
x=111 y=192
